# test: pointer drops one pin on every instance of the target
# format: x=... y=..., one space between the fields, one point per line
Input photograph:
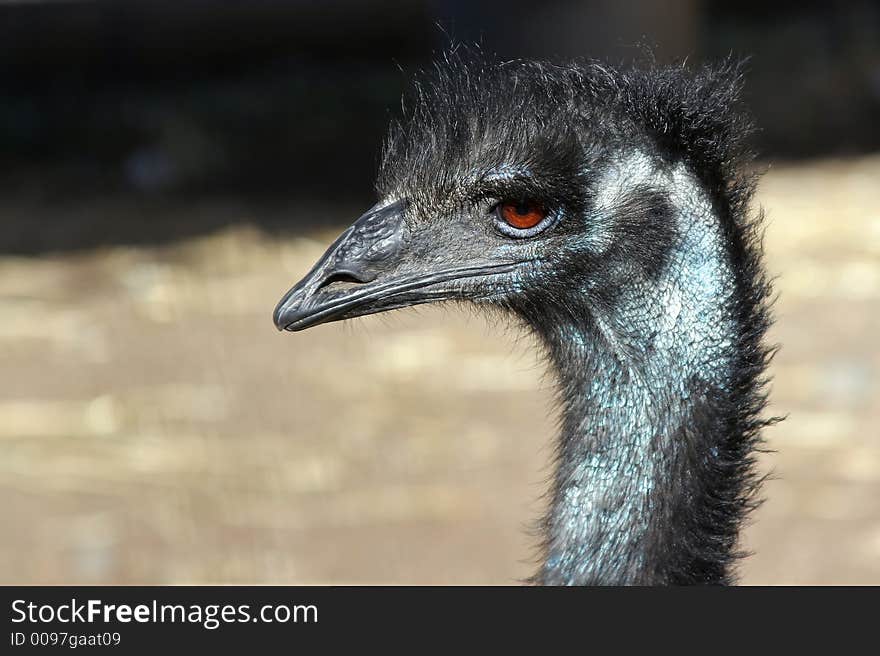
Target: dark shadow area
x=114 y=115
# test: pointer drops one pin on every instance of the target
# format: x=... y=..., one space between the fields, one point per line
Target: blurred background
x=168 y=169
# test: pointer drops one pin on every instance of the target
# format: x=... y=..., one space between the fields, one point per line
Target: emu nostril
x=341 y=277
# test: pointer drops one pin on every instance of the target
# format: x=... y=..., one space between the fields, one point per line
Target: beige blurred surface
x=155 y=428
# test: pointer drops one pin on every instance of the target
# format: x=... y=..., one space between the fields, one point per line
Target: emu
x=608 y=210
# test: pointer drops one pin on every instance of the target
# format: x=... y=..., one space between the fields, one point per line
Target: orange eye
x=522 y=215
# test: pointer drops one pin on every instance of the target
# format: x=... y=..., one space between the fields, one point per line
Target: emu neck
x=646 y=362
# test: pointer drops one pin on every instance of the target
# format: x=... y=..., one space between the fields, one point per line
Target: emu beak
x=372 y=268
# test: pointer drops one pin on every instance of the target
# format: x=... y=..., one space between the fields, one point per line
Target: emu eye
x=522 y=215
x=521 y=218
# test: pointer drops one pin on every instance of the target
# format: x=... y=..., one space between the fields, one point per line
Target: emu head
x=483 y=188
x=502 y=185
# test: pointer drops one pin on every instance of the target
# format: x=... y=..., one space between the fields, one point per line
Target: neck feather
x=660 y=395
